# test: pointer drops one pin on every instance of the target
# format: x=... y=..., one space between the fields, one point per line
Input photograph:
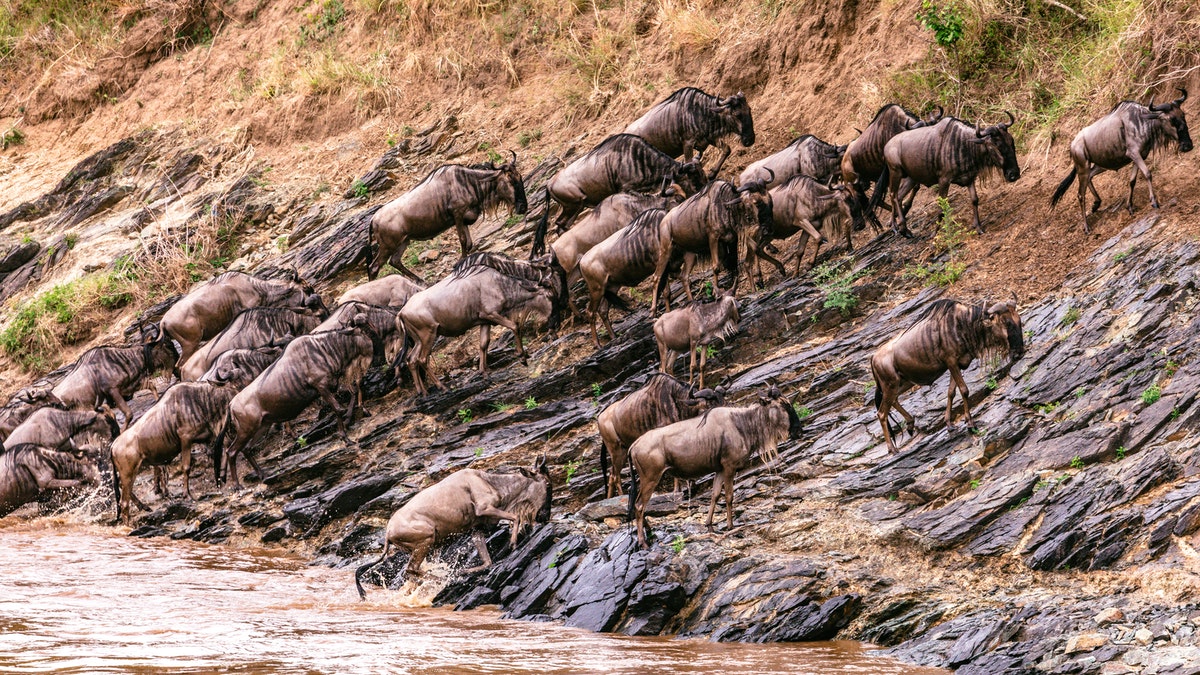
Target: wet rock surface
x=986 y=550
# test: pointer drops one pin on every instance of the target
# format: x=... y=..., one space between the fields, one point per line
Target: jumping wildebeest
x=451 y=196
x=863 y=163
x=484 y=289
x=250 y=328
x=56 y=429
x=691 y=119
x=248 y=363
x=111 y=374
x=465 y=501
x=660 y=402
x=209 y=308
x=621 y=163
x=720 y=440
x=801 y=204
x=949 y=152
x=706 y=225
x=22 y=405
x=948 y=336
x=807 y=155
x=318 y=365
x=391 y=291
x=626 y=258
x=692 y=329
x=1127 y=134
x=189 y=413
x=27 y=471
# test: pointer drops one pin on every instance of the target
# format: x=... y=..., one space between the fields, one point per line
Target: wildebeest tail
x=218 y=447
x=362 y=569
x=729 y=257
x=539 y=235
x=617 y=301
x=881 y=188
x=1062 y=188
x=878 y=396
x=604 y=463
x=633 y=489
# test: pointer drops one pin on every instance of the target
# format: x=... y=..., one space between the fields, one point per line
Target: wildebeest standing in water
x=111 y=374
x=209 y=308
x=722 y=440
x=706 y=225
x=863 y=162
x=948 y=336
x=468 y=500
x=692 y=329
x=483 y=290
x=189 y=413
x=1126 y=135
x=949 y=152
x=316 y=366
x=691 y=119
x=29 y=471
x=660 y=402
x=451 y=196
x=23 y=404
x=621 y=163
x=806 y=156
x=801 y=204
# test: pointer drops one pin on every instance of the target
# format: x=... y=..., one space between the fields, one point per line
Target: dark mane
x=513 y=269
x=961 y=321
x=687 y=95
x=801 y=139
x=904 y=110
x=645 y=220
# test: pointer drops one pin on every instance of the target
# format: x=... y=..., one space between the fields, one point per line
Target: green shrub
x=945 y=21
x=836 y=279
x=1152 y=394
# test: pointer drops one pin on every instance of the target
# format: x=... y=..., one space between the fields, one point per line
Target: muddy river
x=78 y=598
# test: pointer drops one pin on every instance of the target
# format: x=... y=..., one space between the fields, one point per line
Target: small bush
x=531 y=403
x=802 y=411
x=678 y=543
x=945 y=21
x=359 y=188
x=525 y=138
x=465 y=415
x=572 y=467
x=1152 y=394
x=836 y=279
x=1070 y=317
x=1077 y=462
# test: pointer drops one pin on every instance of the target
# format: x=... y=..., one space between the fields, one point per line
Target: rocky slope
x=1056 y=537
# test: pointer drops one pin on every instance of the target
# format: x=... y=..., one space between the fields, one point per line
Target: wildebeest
x=948 y=336
x=250 y=328
x=189 y=413
x=802 y=204
x=318 y=365
x=621 y=163
x=611 y=214
x=660 y=402
x=949 y=152
x=863 y=162
x=468 y=500
x=23 y=404
x=209 y=308
x=807 y=156
x=1126 y=135
x=721 y=440
x=450 y=196
x=626 y=258
x=706 y=225
x=28 y=471
x=391 y=291
x=111 y=374
x=53 y=428
x=692 y=329
x=691 y=119
x=484 y=289
x=246 y=363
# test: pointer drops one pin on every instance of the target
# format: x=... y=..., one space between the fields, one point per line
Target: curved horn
x=514 y=157
x=1014 y=300
x=1011 y=120
x=978 y=133
x=1181 y=99
x=768 y=170
x=941 y=113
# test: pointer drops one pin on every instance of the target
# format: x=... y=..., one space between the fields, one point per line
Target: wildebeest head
x=737 y=109
x=775 y=398
x=755 y=198
x=543 y=472
x=849 y=205
x=159 y=354
x=511 y=187
x=1002 y=146
x=553 y=279
x=105 y=423
x=1004 y=325
x=1172 y=112
x=690 y=177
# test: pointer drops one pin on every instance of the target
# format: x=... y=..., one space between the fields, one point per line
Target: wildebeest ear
x=763 y=400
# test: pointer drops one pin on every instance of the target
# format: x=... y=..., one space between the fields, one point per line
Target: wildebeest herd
x=248 y=352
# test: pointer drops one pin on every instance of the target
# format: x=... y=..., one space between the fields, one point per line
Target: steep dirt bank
x=986 y=551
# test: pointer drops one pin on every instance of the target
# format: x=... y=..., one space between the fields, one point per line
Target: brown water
x=77 y=598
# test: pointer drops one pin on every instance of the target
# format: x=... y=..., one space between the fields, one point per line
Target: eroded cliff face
x=1057 y=536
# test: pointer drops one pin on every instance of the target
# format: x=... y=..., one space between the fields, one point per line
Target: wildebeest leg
x=1133 y=173
x=481 y=546
x=1092 y=185
x=915 y=187
x=118 y=401
x=160 y=482
x=728 y=480
x=418 y=556
x=1085 y=181
x=485 y=338
x=501 y=320
x=660 y=271
x=703 y=360
x=647 y=480
x=1141 y=165
x=899 y=222
x=464 y=235
x=712 y=506
x=957 y=381
x=975 y=206
x=396 y=259
x=186 y=444
x=725 y=150
x=567 y=215
x=329 y=396
x=692 y=363
x=607 y=324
